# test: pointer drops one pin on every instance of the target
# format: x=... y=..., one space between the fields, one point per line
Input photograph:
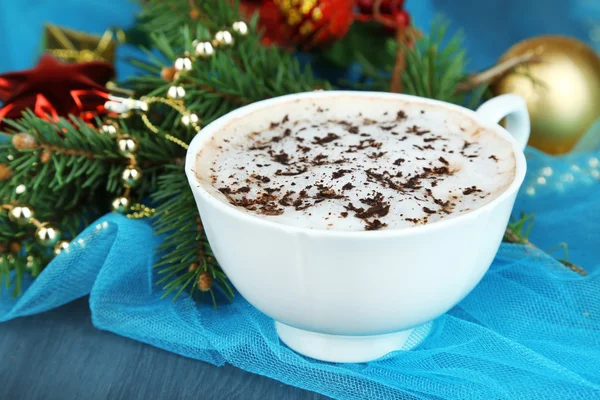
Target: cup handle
x=512 y=107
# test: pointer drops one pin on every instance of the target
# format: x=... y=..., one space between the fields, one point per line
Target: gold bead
x=110 y=128
x=168 y=73
x=24 y=141
x=45 y=156
x=21 y=215
x=561 y=89
x=205 y=281
x=15 y=247
x=176 y=92
x=20 y=189
x=61 y=246
x=240 y=27
x=5 y=172
x=131 y=176
x=34 y=265
x=204 y=49
x=183 y=64
x=193 y=267
x=120 y=204
x=194 y=13
x=223 y=39
x=127 y=145
x=47 y=235
x=188 y=119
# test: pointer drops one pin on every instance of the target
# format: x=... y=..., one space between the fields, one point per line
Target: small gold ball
x=224 y=39
x=34 y=265
x=45 y=156
x=21 y=215
x=176 y=92
x=24 y=141
x=205 y=281
x=47 y=235
x=5 y=172
x=61 y=246
x=240 y=27
x=120 y=204
x=183 y=64
x=204 y=49
x=131 y=176
x=110 y=128
x=193 y=267
x=127 y=145
x=168 y=73
x=188 y=119
x=194 y=13
x=20 y=189
x=15 y=247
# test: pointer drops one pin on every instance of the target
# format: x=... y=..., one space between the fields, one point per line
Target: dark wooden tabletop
x=59 y=355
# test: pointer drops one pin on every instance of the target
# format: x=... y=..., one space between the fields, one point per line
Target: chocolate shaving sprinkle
x=339 y=173
x=327 y=139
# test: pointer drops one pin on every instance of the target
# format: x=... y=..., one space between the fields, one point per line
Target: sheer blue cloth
x=529 y=330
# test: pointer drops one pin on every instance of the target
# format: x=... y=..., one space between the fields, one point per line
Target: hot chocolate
x=341 y=166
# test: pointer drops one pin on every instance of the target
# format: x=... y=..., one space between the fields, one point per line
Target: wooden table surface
x=59 y=355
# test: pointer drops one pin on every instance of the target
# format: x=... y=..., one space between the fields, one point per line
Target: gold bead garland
x=128 y=145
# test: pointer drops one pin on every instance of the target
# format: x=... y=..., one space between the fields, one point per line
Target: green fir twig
x=518 y=232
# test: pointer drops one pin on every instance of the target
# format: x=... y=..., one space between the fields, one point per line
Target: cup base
x=348 y=349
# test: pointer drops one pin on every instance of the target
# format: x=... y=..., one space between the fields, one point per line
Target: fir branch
x=518 y=232
x=435 y=66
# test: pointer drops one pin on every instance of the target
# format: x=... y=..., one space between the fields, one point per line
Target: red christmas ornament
x=302 y=23
x=389 y=13
x=53 y=90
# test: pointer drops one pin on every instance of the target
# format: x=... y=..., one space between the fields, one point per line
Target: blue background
x=490 y=26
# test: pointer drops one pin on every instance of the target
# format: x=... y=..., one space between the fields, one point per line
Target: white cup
x=355 y=296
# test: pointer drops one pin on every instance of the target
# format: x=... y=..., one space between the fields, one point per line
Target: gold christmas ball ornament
x=203 y=49
x=21 y=215
x=240 y=27
x=47 y=235
x=205 y=281
x=176 y=92
x=193 y=267
x=223 y=39
x=188 y=119
x=5 y=172
x=184 y=63
x=24 y=141
x=110 y=128
x=127 y=145
x=131 y=176
x=561 y=88
x=120 y=204
x=61 y=246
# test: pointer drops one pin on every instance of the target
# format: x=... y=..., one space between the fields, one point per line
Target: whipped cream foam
x=355 y=164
